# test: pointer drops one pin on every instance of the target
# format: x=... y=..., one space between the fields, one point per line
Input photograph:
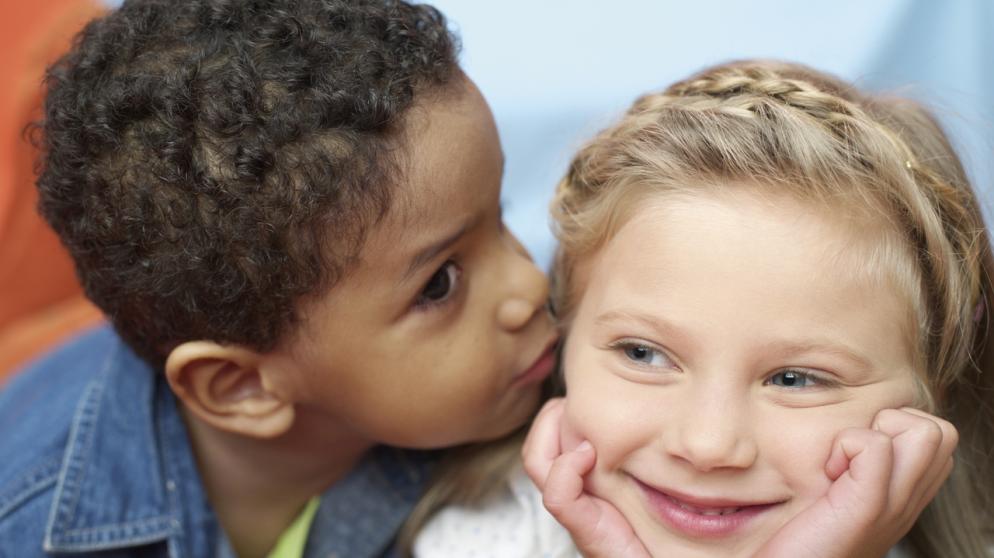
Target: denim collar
x=375 y=498
x=119 y=485
x=128 y=478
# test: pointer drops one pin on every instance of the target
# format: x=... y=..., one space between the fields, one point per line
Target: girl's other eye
x=796 y=379
x=440 y=286
x=645 y=355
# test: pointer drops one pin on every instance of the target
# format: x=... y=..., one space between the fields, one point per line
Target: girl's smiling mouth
x=702 y=517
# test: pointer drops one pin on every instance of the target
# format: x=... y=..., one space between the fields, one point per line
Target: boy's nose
x=526 y=291
x=713 y=433
x=514 y=313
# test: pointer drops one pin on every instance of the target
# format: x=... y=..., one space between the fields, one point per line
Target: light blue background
x=557 y=71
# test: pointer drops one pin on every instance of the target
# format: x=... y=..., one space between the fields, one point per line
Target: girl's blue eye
x=794 y=379
x=441 y=285
x=645 y=355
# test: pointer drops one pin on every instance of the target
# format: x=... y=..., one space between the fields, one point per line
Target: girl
x=773 y=286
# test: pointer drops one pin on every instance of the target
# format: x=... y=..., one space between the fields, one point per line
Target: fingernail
x=584 y=446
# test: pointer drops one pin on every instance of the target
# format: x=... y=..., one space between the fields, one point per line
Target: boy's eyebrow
x=429 y=252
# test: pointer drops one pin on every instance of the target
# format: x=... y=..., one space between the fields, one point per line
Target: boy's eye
x=794 y=379
x=441 y=285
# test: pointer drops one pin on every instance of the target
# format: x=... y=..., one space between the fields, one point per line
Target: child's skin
x=738 y=362
x=439 y=336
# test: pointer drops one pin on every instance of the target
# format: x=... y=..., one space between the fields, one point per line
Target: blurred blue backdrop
x=557 y=71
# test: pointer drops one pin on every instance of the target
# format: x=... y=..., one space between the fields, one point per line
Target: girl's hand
x=883 y=477
x=597 y=528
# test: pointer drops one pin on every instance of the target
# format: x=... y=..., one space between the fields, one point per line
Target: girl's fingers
x=950 y=436
x=860 y=467
x=933 y=486
x=542 y=446
x=942 y=463
x=597 y=528
x=916 y=440
x=883 y=477
x=563 y=495
x=923 y=447
x=844 y=523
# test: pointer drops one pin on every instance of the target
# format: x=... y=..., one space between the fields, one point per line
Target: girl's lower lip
x=694 y=524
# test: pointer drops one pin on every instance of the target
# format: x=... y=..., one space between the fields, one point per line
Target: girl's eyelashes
x=440 y=287
x=643 y=354
x=793 y=378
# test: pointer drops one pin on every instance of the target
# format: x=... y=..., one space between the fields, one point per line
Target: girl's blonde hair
x=785 y=128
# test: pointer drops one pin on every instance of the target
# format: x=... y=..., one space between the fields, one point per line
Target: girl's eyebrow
x=834 y=347
x=657 y=324
x=625 y=316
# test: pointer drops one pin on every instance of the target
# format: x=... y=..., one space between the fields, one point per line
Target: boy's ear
x=229 y=387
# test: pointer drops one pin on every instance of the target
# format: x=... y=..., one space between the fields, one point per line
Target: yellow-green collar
x=291 y=542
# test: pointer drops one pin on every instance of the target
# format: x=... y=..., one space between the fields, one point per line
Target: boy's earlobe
x=227 y=387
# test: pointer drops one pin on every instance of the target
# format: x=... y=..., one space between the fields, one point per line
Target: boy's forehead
x=413 y=234
x=449 y=178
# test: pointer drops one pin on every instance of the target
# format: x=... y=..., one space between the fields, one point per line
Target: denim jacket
x=95 y=458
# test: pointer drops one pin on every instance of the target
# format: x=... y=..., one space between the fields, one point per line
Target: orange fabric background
x=40 y=298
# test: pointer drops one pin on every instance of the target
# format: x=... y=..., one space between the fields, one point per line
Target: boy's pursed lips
x=541 y=366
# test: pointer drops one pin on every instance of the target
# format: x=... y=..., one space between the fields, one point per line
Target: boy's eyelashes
x=440 y=287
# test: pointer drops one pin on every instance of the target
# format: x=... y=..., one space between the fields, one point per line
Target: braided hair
x=787 y=128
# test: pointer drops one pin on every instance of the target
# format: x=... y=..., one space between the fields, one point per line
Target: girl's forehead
x=852 y=244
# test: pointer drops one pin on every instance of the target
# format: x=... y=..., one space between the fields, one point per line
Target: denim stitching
x=115 y=536
x=69 y=481
x=67 y=491
x=36 y=480
x=168 y=472
x=63 y=509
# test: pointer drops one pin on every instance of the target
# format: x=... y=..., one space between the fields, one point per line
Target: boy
x=290 y=212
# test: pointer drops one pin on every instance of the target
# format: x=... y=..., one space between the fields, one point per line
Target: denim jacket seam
x=168 y=473
x=413 y=476
x=36 y=480
x=386 y=481
x=106 y=537
x=67 y=489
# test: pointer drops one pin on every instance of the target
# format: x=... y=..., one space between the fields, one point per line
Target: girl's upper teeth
x=706 y=511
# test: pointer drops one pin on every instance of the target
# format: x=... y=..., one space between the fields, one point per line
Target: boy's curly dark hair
x=210 y=162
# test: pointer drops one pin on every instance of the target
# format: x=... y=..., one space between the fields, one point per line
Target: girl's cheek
x=605 y=413
x=571 y=429
x=801 y=452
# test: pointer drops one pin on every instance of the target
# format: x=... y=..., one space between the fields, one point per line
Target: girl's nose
x=713 y=433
